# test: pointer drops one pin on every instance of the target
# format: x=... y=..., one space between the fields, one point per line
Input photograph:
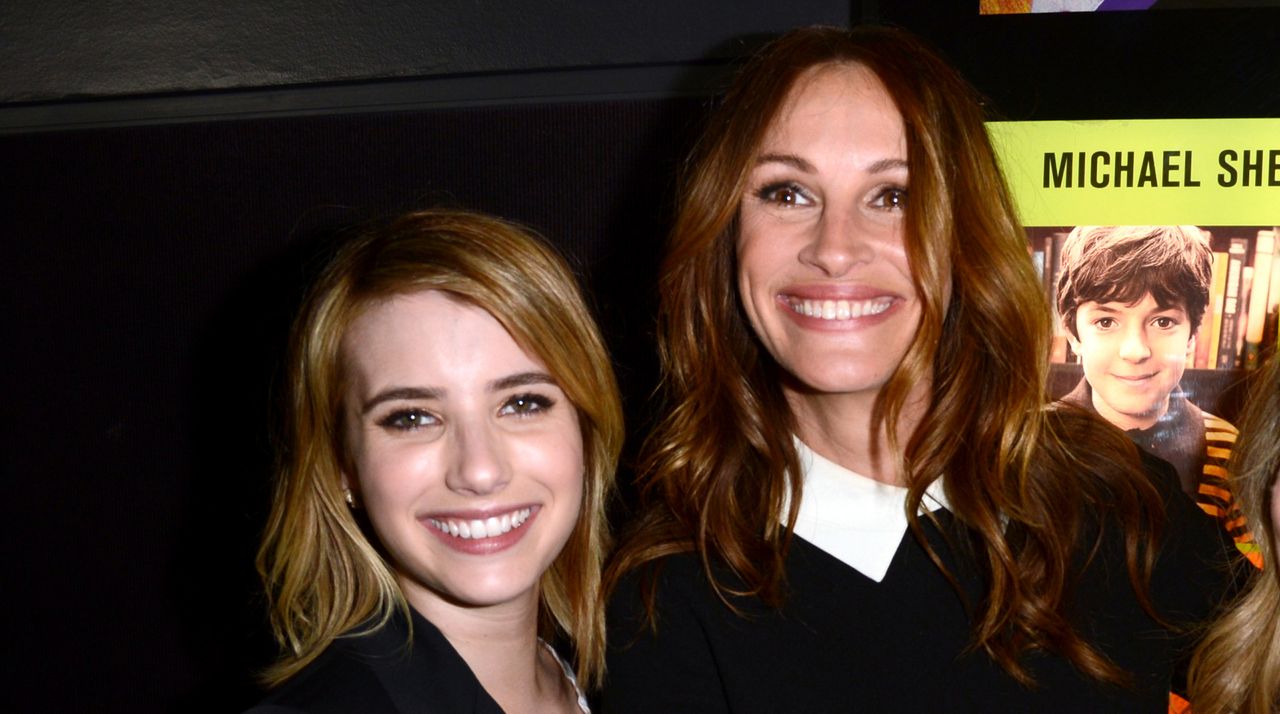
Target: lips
x=482 y=533
x=839 y=309
x=1134 y=379
x=489 y=527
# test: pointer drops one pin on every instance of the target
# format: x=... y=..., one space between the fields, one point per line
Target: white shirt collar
x=856 y=519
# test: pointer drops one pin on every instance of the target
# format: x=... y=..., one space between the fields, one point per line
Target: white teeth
x=840 y=309
x=488 y=528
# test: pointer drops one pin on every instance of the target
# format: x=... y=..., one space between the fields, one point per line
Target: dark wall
x=60 y=51
x=152 y=258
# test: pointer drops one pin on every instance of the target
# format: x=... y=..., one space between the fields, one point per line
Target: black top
x=382 y=673
x=843 y=642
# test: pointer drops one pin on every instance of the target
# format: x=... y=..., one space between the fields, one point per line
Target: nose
x=477 y=464
x=838 y=243
x=1134 y=347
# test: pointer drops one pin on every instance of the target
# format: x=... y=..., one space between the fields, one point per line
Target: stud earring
x=351 y=499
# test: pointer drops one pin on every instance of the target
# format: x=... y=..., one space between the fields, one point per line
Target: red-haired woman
x=859 y=498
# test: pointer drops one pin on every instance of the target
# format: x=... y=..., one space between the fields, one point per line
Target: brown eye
x=784 y=194
x=891 y=199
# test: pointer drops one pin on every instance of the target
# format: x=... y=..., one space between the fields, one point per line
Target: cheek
x=389 y=476
x=761 y=248
x=1093 y=350
x=564 y=471
x=1174 y=348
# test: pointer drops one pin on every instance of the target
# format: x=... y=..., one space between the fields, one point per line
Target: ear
x=350 y=490
x=1191 y=344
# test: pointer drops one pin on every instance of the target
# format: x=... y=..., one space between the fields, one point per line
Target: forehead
x=430 y=334
x=1145 y=303
x=832 y=96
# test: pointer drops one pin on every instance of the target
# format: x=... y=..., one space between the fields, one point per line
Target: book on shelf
x=1260 y=284
x=1231 y=304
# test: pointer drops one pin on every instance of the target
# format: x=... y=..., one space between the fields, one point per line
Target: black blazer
x=382 y=673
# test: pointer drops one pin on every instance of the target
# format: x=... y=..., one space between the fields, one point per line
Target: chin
x=488 y=592
x=839 y=381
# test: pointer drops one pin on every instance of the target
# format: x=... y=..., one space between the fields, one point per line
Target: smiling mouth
x=839 y=309
x=477 y=528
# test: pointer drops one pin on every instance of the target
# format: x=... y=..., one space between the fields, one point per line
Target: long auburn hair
x=324 y=574
x=720 y=465
x=1237 y=666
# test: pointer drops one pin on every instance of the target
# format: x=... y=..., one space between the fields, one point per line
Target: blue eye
x=408 y=420
x=522 y=405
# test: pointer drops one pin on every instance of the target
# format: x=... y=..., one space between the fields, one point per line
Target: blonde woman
x=453 y=425
x=1237 y=667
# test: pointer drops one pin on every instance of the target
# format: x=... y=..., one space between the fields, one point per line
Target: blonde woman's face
x=467 y=455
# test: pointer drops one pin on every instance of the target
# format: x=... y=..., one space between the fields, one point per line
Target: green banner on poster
x=1161 y=171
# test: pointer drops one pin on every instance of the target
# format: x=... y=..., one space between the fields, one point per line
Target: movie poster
x=1156 y=242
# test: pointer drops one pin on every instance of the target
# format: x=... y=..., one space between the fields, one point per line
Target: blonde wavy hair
x=323 y=573
x=1236 y=669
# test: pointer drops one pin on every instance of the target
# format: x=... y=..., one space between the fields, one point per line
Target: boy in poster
x=1131 y=299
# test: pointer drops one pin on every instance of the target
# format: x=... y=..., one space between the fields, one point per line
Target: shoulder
x=383 y=670
x=339 y=680
x=1195 y=558
x=669 y=582
x=1216 y=425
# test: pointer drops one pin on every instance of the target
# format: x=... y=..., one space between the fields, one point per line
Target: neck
x=1129 y=421
x=500 y=645
x=839 y=428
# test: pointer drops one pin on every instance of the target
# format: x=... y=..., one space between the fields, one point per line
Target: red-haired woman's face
x=822 y=266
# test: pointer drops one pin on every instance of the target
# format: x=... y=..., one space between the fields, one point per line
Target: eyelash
x=526 y=405
x=897 y=202
x=1111 y=322
x=520 y=406
x=890 y=198
x=772 y=193
x=408 y=420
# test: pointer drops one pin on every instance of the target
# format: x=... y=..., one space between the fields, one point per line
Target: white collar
x=856 y=519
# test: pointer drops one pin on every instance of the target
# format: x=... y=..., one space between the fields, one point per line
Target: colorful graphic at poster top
x=1037 y=7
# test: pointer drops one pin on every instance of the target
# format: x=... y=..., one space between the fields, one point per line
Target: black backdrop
x=148 y=274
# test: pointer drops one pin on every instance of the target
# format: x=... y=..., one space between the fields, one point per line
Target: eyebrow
x=520 y=380
x=394 y=393
x=429 y=393
x=803 y=165
x=788 y=159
